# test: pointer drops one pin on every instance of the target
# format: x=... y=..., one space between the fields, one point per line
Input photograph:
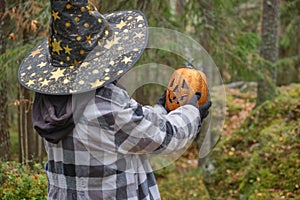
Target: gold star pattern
x=95 y=71
x=121 y=24
x=57 y=74
x=68 y=24
x=90 y=7
x=66 y=81
x=72 y=91
x=30 y=82
x=55 y=15
x=68 y=6
x=76 y=19
x=139 y=35
x=97 y=83
x=112 y=63
x=58 y=79
x=85 y=64
x=36 y=52
x=88 y=39
x=67 y=50
x=116 y=40
x=127 y=60
x=42 y=64
x=111 y=43
x=120 y=72
x=76 y=62
x=139 y=18
x=45 y=82
x=86 y=25
x=56 y=46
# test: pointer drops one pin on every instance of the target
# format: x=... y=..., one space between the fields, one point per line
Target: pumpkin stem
x=190 y=64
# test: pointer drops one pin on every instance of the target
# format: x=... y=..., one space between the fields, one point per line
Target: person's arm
x=117 y=123
x=150 y=131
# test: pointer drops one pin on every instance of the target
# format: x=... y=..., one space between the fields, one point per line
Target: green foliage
x=10 y=60
x=20 y=182
x=261 y=160
x=290 y=26
x=288 y=70
x=245 y=55
x=228 y=31
x=183 y=186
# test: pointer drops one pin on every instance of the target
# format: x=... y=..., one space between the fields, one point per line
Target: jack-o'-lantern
x=184 y=83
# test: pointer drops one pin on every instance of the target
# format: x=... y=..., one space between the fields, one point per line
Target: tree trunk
x=31 y=143
x=4 y=132
x=27 y=142
x=269 y=50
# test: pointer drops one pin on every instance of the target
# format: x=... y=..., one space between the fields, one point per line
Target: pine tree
x=266 y=89
x=4 y=133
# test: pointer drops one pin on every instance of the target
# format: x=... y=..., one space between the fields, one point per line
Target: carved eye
x=184 y=84
x=175 y=89
x=172 y=83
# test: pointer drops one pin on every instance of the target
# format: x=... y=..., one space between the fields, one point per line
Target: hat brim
x=115 y=55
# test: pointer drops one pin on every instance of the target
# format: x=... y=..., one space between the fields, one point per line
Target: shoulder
x=114 y=94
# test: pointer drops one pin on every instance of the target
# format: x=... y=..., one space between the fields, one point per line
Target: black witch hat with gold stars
x=85 y=49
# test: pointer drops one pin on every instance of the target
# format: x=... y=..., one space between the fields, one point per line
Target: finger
x=193 y=101
x=205 y=115
x=198 y=94
x=206 y=105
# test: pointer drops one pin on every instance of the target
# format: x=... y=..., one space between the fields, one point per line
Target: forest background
x=232 y=32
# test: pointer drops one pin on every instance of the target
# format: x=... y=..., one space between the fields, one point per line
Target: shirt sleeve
x=122 y=125
x=151 y=131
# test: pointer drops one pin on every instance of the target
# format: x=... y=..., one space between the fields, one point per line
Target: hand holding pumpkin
x=203 y=108
x=183 y=85
x=162 y=100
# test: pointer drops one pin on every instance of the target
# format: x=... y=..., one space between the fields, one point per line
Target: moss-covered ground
x=258 y=159
x=261 y=160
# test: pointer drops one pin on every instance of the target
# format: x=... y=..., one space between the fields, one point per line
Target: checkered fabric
x=106 y=155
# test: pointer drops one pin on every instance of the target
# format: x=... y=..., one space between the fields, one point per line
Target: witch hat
x=85 y=49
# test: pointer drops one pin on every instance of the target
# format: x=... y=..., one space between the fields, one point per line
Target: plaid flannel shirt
x=106 y=155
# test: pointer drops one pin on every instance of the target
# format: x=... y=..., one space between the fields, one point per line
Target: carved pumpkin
x=184 y=83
